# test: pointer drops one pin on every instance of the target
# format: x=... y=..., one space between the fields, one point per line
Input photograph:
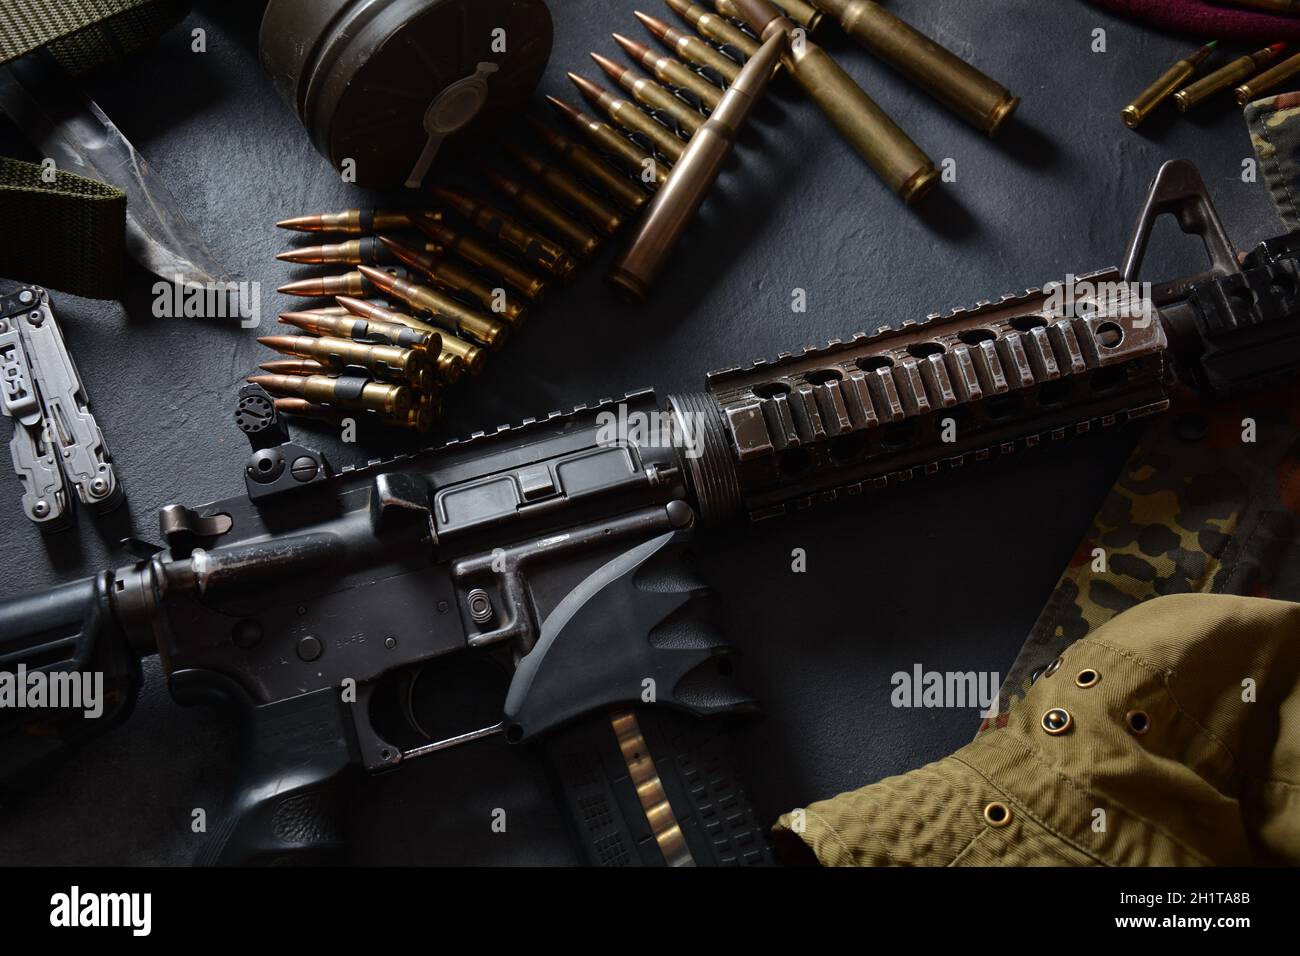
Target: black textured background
x=949 y=572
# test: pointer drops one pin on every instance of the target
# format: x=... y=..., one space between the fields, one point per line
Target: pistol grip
x=299 y=768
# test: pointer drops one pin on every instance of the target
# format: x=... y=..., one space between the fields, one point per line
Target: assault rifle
x=314 y=605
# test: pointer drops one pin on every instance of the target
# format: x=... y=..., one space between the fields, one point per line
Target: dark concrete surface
x=949 y=573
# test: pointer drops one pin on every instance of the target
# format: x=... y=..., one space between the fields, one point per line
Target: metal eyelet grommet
x=1138 y=722
x=1087 y=677
x=1057 y=721
x=997 y=814
x=1053 y=667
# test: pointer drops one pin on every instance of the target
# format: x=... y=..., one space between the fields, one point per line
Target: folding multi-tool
x=56 y=442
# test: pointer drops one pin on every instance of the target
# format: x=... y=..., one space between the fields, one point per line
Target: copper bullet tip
x=589 y=89
x=278 y=342
x=303 y=287
x=565 y=110
x=393 y=245
x=679 y=6
x=289 y=255
x=411 y=257
x=355 y=306
x=638 y=51
x=612 y=69
x=300 y=320
x=379 y=277
x=266 y=381
x=300 y=223
x=653 y=24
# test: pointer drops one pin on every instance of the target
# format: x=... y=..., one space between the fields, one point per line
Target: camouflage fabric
x=1198 y=508
x=1275 y=132
x=1170 y=736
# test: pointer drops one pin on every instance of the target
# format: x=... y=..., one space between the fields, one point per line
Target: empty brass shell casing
x=715 y=27
x=1164 y=87
x=623 y=191
x=1256 y=86
x=1225 y=76
x=531 y=246
x=581 y=239
x=690 y=47
x=606 y=138
x=965 y=90
x=677 y=203
x=891 y=153
x=652 y=95
x=457 y=356
x=598 y=212
x=673 y=72
x=345 y=391
x=388 y=362
x=629 y=116
x=475 y=252
x=446 y=311
x=365 y=330
x=356 y=222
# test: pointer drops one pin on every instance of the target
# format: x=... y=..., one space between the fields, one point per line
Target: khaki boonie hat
x=1168 y=737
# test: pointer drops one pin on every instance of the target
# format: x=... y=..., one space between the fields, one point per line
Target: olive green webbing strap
x=70 y=231
x=85 y=34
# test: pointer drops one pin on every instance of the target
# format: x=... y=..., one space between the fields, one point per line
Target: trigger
x=409 y=682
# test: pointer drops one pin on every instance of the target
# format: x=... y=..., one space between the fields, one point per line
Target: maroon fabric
x=1206 y=21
